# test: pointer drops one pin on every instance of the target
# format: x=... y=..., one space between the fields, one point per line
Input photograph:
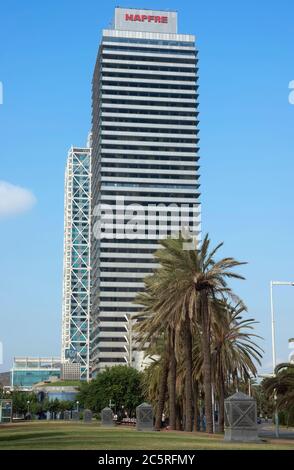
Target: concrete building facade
x=144 y=153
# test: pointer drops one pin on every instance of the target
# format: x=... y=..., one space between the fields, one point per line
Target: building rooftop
x=27 y=362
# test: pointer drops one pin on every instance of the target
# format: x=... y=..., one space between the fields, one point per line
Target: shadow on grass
x=32 y=435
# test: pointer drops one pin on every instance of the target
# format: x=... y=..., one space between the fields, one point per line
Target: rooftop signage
x=153 y=21
x=149 y=18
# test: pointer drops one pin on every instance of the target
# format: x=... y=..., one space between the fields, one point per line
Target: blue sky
x=47 y=55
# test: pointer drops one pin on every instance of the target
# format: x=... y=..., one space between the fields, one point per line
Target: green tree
x=265 y=406
x=54 y=406
x=66 y=405
x=281 y=385
x=20 y=401
x=36 y=408
x=120 y=384
x=155 y=377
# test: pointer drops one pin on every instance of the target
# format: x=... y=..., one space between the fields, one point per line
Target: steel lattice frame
x=76 y=264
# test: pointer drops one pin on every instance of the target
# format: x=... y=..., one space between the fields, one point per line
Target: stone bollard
x=240 y=418
x=75 y=415
x=107 y=417
x=88 y=415
x=144 y=417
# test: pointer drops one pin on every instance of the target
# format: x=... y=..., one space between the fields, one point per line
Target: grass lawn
x=63 y=383
x=59 y=435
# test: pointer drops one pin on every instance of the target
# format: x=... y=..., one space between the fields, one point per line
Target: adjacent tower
x=145 y=152
x=76 y=262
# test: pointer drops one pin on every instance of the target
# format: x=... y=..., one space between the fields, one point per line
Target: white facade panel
x=145 y=151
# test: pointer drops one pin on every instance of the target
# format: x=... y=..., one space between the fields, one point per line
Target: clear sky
x=47 y=55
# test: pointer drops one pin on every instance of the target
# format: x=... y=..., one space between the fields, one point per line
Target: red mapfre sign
x=146 y=18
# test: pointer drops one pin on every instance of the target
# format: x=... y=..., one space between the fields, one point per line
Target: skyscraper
x=76 y=264
x=144 y=153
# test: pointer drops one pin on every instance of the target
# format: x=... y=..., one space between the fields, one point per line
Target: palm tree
x=171 y=310
x=281 y=385
x=158 y=350
x=158 y=315
x=233 y=349
x=193 y=281
x=179 y=295
x=151 y=380
x=172 y=377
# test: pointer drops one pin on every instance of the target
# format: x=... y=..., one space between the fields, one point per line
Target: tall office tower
x=145 y=152
x=76 y=264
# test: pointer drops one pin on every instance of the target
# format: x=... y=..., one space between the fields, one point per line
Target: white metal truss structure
x=76 y=264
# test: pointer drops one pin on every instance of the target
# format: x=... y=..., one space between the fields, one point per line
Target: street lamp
x=272 y=284
x=111 y=405
x=130 y=339
x=28 y=404
x=77 y=403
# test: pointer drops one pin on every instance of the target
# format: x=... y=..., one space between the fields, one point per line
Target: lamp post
x=77 y=403
x=111 y=405
x=249 y=386
x=28 y=405
x=130 y=339
x=272 y=284
x=213 y=408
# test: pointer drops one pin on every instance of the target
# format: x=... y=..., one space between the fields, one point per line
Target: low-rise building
x=28 y=371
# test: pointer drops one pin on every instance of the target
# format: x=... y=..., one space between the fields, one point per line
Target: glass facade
x=5 y=411
x=28 y=371
x=27 y=378
x=76 y=275
x=61 y=395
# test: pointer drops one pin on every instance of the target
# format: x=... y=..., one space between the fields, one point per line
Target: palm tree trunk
x=178 y=418
x=162 y=391
x=221 y=419
x=196 y=410
x=235 y=380
x=183 y=408
x=205 y=326
x=172 y=384
x=188 y=376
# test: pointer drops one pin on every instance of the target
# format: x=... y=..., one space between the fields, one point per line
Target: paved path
x=267 y=430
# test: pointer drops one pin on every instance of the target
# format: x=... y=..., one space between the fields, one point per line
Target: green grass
x=59 y=435
x=63 y=383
